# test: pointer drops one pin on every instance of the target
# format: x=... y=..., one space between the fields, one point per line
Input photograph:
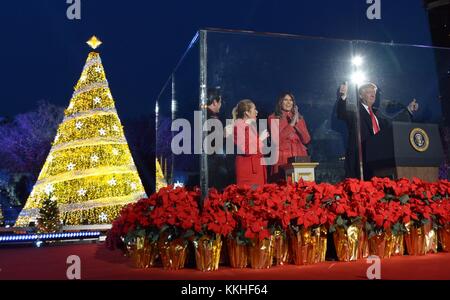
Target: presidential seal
x=419 y=139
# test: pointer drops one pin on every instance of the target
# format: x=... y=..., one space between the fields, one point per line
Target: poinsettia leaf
x=140 y=232
x=188 y=233
x=128 y=238
x=425 y=221
x=355 y=220
x=389 y=197
x=340 y=221
x=404 y=199
x=295 y=228
x=397 y=228
x=164 y=228
x=309 y=197
x=369 y=226
x=153 y=237
x=332 y=228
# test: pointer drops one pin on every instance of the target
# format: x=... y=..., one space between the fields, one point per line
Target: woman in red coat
x=293 y=133
x=249 y=167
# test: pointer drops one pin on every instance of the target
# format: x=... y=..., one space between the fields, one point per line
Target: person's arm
x=407 y=113
x=302 y=131
x=343 y=113
x=250 y=143
x=402 y=116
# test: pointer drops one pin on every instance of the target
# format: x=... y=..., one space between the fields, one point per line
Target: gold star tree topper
x=94 y=42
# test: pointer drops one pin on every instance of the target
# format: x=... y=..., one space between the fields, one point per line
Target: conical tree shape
x=160 y=179
x=89 y=170
x=1 y=216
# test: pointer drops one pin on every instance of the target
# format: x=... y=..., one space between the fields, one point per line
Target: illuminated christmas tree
x=89 y=171
x=49 y=219
x=1 y=216
x=160 y=179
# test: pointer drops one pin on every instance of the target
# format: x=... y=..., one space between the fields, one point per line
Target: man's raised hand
x=343 y=90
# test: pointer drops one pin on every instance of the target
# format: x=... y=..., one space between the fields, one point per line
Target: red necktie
x=375 y=126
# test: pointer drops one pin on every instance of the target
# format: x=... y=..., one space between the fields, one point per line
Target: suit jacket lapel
x=366 y=117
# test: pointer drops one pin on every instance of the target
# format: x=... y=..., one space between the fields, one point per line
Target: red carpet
x=97 y=262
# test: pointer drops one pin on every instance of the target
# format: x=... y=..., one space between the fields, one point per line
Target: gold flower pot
x=349 y=243
x=444 y=238
x=143 y=253
x=237 y=254
x=377 y=245
x=173 y=253
x=261 y=253
x=415 y=240
x=363 y=244
x=207 y=253
x=280 y=248
x=431 y=239
x=308 y=246
x=394 y=244
x=320 y=233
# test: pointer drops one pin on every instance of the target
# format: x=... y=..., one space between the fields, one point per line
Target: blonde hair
x=367 y=85
x=241 y=108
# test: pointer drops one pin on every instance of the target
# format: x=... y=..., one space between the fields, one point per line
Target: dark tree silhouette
x=26 y=139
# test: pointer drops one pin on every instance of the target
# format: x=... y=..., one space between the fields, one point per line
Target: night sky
x=43 y=52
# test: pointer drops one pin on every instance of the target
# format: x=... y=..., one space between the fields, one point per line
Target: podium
x=405 y=150
x=300 y=167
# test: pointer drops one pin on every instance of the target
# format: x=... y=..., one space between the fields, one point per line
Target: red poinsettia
x=133 y=217
x=257 y=212
x=247 y=213
x=343 y=210
x=443 y=188
x=176 y=207
x=216 y=216
x=441 y=210
x=307 y=206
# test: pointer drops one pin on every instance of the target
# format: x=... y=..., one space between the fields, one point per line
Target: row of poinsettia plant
x=245 y=214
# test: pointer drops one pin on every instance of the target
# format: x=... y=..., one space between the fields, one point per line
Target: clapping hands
x=295 y=117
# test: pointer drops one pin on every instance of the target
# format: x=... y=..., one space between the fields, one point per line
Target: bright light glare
x=357 y=61
x=358 y=78
x=178 y=184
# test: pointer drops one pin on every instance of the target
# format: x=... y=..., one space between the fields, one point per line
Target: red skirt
x=249 y=170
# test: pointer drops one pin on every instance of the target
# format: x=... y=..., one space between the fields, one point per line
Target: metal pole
x=156 y=141
x=203 y=106
x=173 y=106
x=358 y=123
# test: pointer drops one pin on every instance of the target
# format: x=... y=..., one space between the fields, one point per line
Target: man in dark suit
x=371 y=123
x=219 y=173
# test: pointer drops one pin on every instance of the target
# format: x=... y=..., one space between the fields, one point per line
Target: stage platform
x=97 y=263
